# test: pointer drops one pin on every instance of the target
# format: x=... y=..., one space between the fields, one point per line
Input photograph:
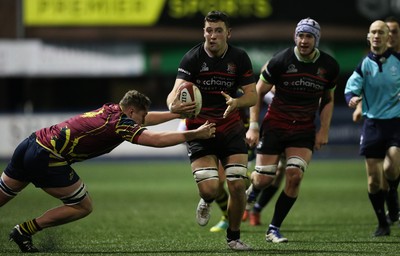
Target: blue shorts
x=378 y=135
x=30 y=163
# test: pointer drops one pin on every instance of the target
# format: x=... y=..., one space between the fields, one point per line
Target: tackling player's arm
x=171 y=138
x=175 y=105
x=158 y=117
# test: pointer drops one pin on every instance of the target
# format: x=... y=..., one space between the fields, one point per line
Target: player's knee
x=263 y=176
x=373 y=186
x=87 y=206
x=235 y=172
x=79 y=197
x=207 y=173
x=295 y=169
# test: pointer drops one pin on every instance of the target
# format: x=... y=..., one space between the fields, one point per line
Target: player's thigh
x=374 y=167
x=266 y=159
x=13 y=184
x=208 y=161
x=393 y=156
x=61 y=192
x=391 y=165
x=236 y=159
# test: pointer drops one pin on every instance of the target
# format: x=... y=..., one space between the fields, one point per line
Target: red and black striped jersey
x=299 y=87
x=212 y=75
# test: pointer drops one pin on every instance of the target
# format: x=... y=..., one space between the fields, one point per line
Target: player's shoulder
x=327 y=57
x=195 y=49
x=283 y=54
x=394 y=54
x=282 y=57
x=236 y=48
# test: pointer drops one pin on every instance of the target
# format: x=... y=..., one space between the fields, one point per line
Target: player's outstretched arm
x=171 y=138
x=158 y=117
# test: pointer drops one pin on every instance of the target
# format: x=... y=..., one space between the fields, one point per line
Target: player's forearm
x=171 y=138
x=158 y=117
x=326 y=116
x=247 y=100
x=255 y=110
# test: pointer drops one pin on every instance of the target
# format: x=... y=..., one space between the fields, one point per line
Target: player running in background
x=257 y=200
x=219 y=70
x=45 y=157
x=376 y=81
x=392 y=197
x=304 y=78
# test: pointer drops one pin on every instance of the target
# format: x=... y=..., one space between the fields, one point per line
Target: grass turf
x=148 y=208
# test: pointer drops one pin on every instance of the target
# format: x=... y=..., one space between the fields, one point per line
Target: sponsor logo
x=204 y=67
x=291 y=69
x=184 y=71
x=217 y=84
x=231 y=68
x=302 y=84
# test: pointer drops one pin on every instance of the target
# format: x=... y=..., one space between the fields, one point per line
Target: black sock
x=232 y=235
x=253 y=195
x=282 y=208
x=378 y=203
x=264 y=198
x=392 y=200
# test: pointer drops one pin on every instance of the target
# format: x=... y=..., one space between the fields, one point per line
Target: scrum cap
x=309 y=25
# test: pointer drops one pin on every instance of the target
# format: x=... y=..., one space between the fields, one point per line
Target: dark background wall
x=258 y=25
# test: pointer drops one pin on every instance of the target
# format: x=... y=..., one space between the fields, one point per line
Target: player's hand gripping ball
x=188 y=92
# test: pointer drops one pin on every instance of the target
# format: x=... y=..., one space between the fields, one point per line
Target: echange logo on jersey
x=304 y=84
x=215 y=84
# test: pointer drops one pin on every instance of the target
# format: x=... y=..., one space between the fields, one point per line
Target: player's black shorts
x=30 y=163
x=274 y=142
x=378 y=135
x=223 y=145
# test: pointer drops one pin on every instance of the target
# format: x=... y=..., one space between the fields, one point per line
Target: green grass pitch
x=148 y=208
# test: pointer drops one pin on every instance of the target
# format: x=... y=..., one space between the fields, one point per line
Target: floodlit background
x=61 y=57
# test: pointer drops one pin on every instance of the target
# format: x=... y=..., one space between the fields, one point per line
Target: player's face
x=137 y=116
x=394 y=40
x=216 y=35
x=305 y=43
x=378 y=36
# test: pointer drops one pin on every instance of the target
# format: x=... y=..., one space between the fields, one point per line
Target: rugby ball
x=188 y=92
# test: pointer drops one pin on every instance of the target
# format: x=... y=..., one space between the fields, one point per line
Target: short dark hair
x=392 y=19
x=215 y=16
x=135 y=99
